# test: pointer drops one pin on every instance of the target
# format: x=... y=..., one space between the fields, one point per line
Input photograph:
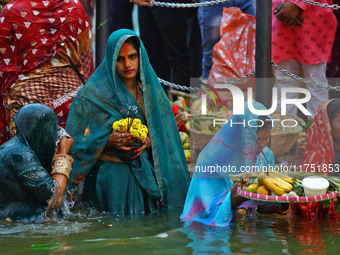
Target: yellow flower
x=137 y=129
x=115 y=125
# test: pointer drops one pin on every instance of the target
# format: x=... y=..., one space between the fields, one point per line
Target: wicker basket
x=201 y=139
x=282 y=141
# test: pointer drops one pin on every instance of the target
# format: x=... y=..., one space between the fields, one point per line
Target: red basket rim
x=282 y=199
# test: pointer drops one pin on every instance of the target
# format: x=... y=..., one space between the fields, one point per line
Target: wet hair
x=333 y=109
x=267 y=124
x=134 y=41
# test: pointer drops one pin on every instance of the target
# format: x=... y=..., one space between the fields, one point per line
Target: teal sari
x=157 y=176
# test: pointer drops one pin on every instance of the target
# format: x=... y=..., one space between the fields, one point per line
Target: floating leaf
x=45 y=246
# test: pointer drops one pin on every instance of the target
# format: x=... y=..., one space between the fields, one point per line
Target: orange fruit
x=262 y=190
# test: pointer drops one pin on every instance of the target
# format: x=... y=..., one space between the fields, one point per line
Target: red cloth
x=309 y=44
x=234 y=54
x=320 y=152
x=314 y=210
x=180 y=122
x=319 y=149
x=33 y=31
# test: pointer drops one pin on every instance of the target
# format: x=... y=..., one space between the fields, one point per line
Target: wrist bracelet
x=65 y=156
x=62 y=165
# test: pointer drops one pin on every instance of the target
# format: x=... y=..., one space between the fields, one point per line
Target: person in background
x=322 y=153
x=333 y=68
x=121 y=14
x=209 y=18
x=302 y=39
x=30 y=171
x=172 y=40
x=323 y=137
x=45 y=57
x=122 y=174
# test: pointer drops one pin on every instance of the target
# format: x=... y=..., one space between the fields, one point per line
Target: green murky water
x=96 y=233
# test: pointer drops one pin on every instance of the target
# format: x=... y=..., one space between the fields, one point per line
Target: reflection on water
x=94 y=232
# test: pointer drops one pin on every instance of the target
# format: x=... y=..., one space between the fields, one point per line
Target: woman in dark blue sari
x=155 y=172
x=27 y=179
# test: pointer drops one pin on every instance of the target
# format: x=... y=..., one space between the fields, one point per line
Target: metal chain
x=325 y=5
x=215 y=2
x=176 y=86
x=242 y=78
x=296 y=77
x=187 y=5
x=279 y=68
x=180 y=87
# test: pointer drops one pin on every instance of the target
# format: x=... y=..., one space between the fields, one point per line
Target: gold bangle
x=62 y=172
x=62 y=165
x=68 y=157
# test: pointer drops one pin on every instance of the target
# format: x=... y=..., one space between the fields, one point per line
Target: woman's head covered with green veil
x=37 y=126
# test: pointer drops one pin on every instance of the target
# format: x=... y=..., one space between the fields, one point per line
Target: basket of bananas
x=281 y=187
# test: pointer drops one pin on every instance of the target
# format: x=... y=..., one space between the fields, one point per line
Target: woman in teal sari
x=155 y=173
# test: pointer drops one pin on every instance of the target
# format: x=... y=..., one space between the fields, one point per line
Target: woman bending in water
x=30 y=172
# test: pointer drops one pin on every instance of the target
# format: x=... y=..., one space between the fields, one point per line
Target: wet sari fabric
x=25 y=163
x=157 y=175
x=209 y=197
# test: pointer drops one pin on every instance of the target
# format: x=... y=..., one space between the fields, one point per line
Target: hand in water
x=52 y=204
x=236 y=199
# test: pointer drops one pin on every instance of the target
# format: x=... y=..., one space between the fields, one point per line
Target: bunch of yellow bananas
x=276 y=182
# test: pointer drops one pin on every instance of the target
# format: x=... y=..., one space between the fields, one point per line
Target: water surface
x=99 y=233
